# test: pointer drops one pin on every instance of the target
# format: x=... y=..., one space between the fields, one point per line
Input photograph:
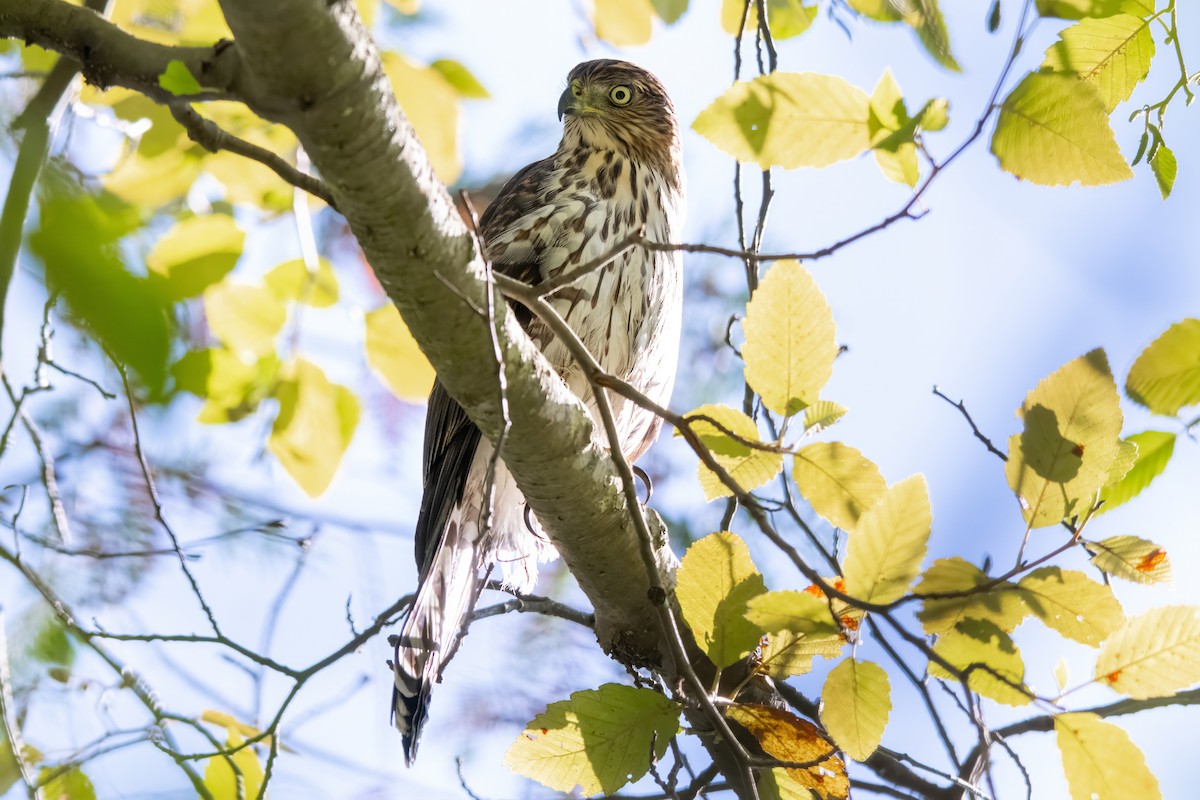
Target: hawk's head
x=615 y=105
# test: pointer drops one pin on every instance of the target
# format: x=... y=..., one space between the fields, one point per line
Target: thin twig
x=961 y=406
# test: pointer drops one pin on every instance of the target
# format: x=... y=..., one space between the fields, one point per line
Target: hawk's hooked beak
x=566 y=103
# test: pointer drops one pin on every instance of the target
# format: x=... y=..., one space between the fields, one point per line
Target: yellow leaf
x=1113 y=53
x=838 y=481
x=1053 y=130
x=789 y=738
x=291 y=280
x=884 y=554
x=154 y=181
x=715 y=581
x=790 y=341
x=196 y=253
x=855 y=705
x=431 y=105
x=623 y=22
x=222 y=781
x=1001 y=604
x=1131 y=558
x=786 y=654
x=1166 y=376
x=1154 y=654
x=315 y=424
x=788 y=119
x=987 y=654
x=245 y=318
x=750 y=467
x=1072 y=604
x=1073 y=421
x=395 y=356
x=1101 y=762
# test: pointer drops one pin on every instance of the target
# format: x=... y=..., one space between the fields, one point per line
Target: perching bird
x=617 y=170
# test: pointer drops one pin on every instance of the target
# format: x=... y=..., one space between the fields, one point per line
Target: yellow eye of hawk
x=576 y=89
x=620 y=95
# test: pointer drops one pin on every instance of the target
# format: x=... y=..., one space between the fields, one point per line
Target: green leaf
x=1001 y=604
x=461 y=78
x=245 y=318
x=786 y=653
x=789 y=18
x=599 y=740
x=926 y=19
x=1078 y=9
x=790 y=341
x=994 y=661
x=69 y=785
x=892 y=132
x=1113 y=54
x=623 y=22
x=1072 y=604
x=196 y=253
x=315 y=424
x=178 y=79
x=1053 y=130
x=789 y=738
x=1166 y=376
x=821 y=415
x=1154 y=654
x=51 y=644
x=885 y=552
x=1164 y=166
x=794 y=612
x=231 y=388
x=838 y=481
x=77 y=241
x=788 y=119
x=151 y=181
x=1073 y=420
x=292 y=281
x=855 y=705
x=1154 y=450
x=1100 y=760
x=669 y=11
x=1131 y=558
x=715 y=581
x=220 y=778
x=394 y=355
x=750 y=467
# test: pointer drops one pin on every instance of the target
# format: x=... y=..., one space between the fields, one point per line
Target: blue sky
x=999 y=285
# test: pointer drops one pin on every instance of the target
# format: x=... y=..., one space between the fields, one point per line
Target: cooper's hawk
x=617 y=170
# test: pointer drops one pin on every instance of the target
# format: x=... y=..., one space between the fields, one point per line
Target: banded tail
x=432 y=631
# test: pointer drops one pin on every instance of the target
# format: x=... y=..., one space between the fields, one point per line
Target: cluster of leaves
x=1067 y=464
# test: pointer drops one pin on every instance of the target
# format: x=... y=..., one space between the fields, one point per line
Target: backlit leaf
x=623 y=22
x=788 y=119
x=292 y=281
x=1078 y=9
x=669 y=10
x=885 y=552
x=1072 y=604
x=431 y=104
x=230 y=386
x=789 y=738
x=1062 y=674
x=1073 y=420
x=245 y=318
x=838 y=481
x=715 y=581
x=822 y=414
x=196 y=253
x=599 y=740
x=1166 y=376
x=1053 y=130
x=395 y=356
x=1154 y=654
x=461 y=78
x=1100 y=760
x=1164 y=166
x=177 y=79
x=221 y=780
x=786 y=654
x=787 y=18
x=750 y=467
x=855 y=705
x=153 y=181
x=1131 y=558
x=795 y=612
x=790 y=341
x=994 y=661
x=315 y=424
x=1113 y=53
x=69 y=785
x=1001 y=604
x=1154 y=450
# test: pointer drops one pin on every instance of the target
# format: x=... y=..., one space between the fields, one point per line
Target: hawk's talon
x=641 y=473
